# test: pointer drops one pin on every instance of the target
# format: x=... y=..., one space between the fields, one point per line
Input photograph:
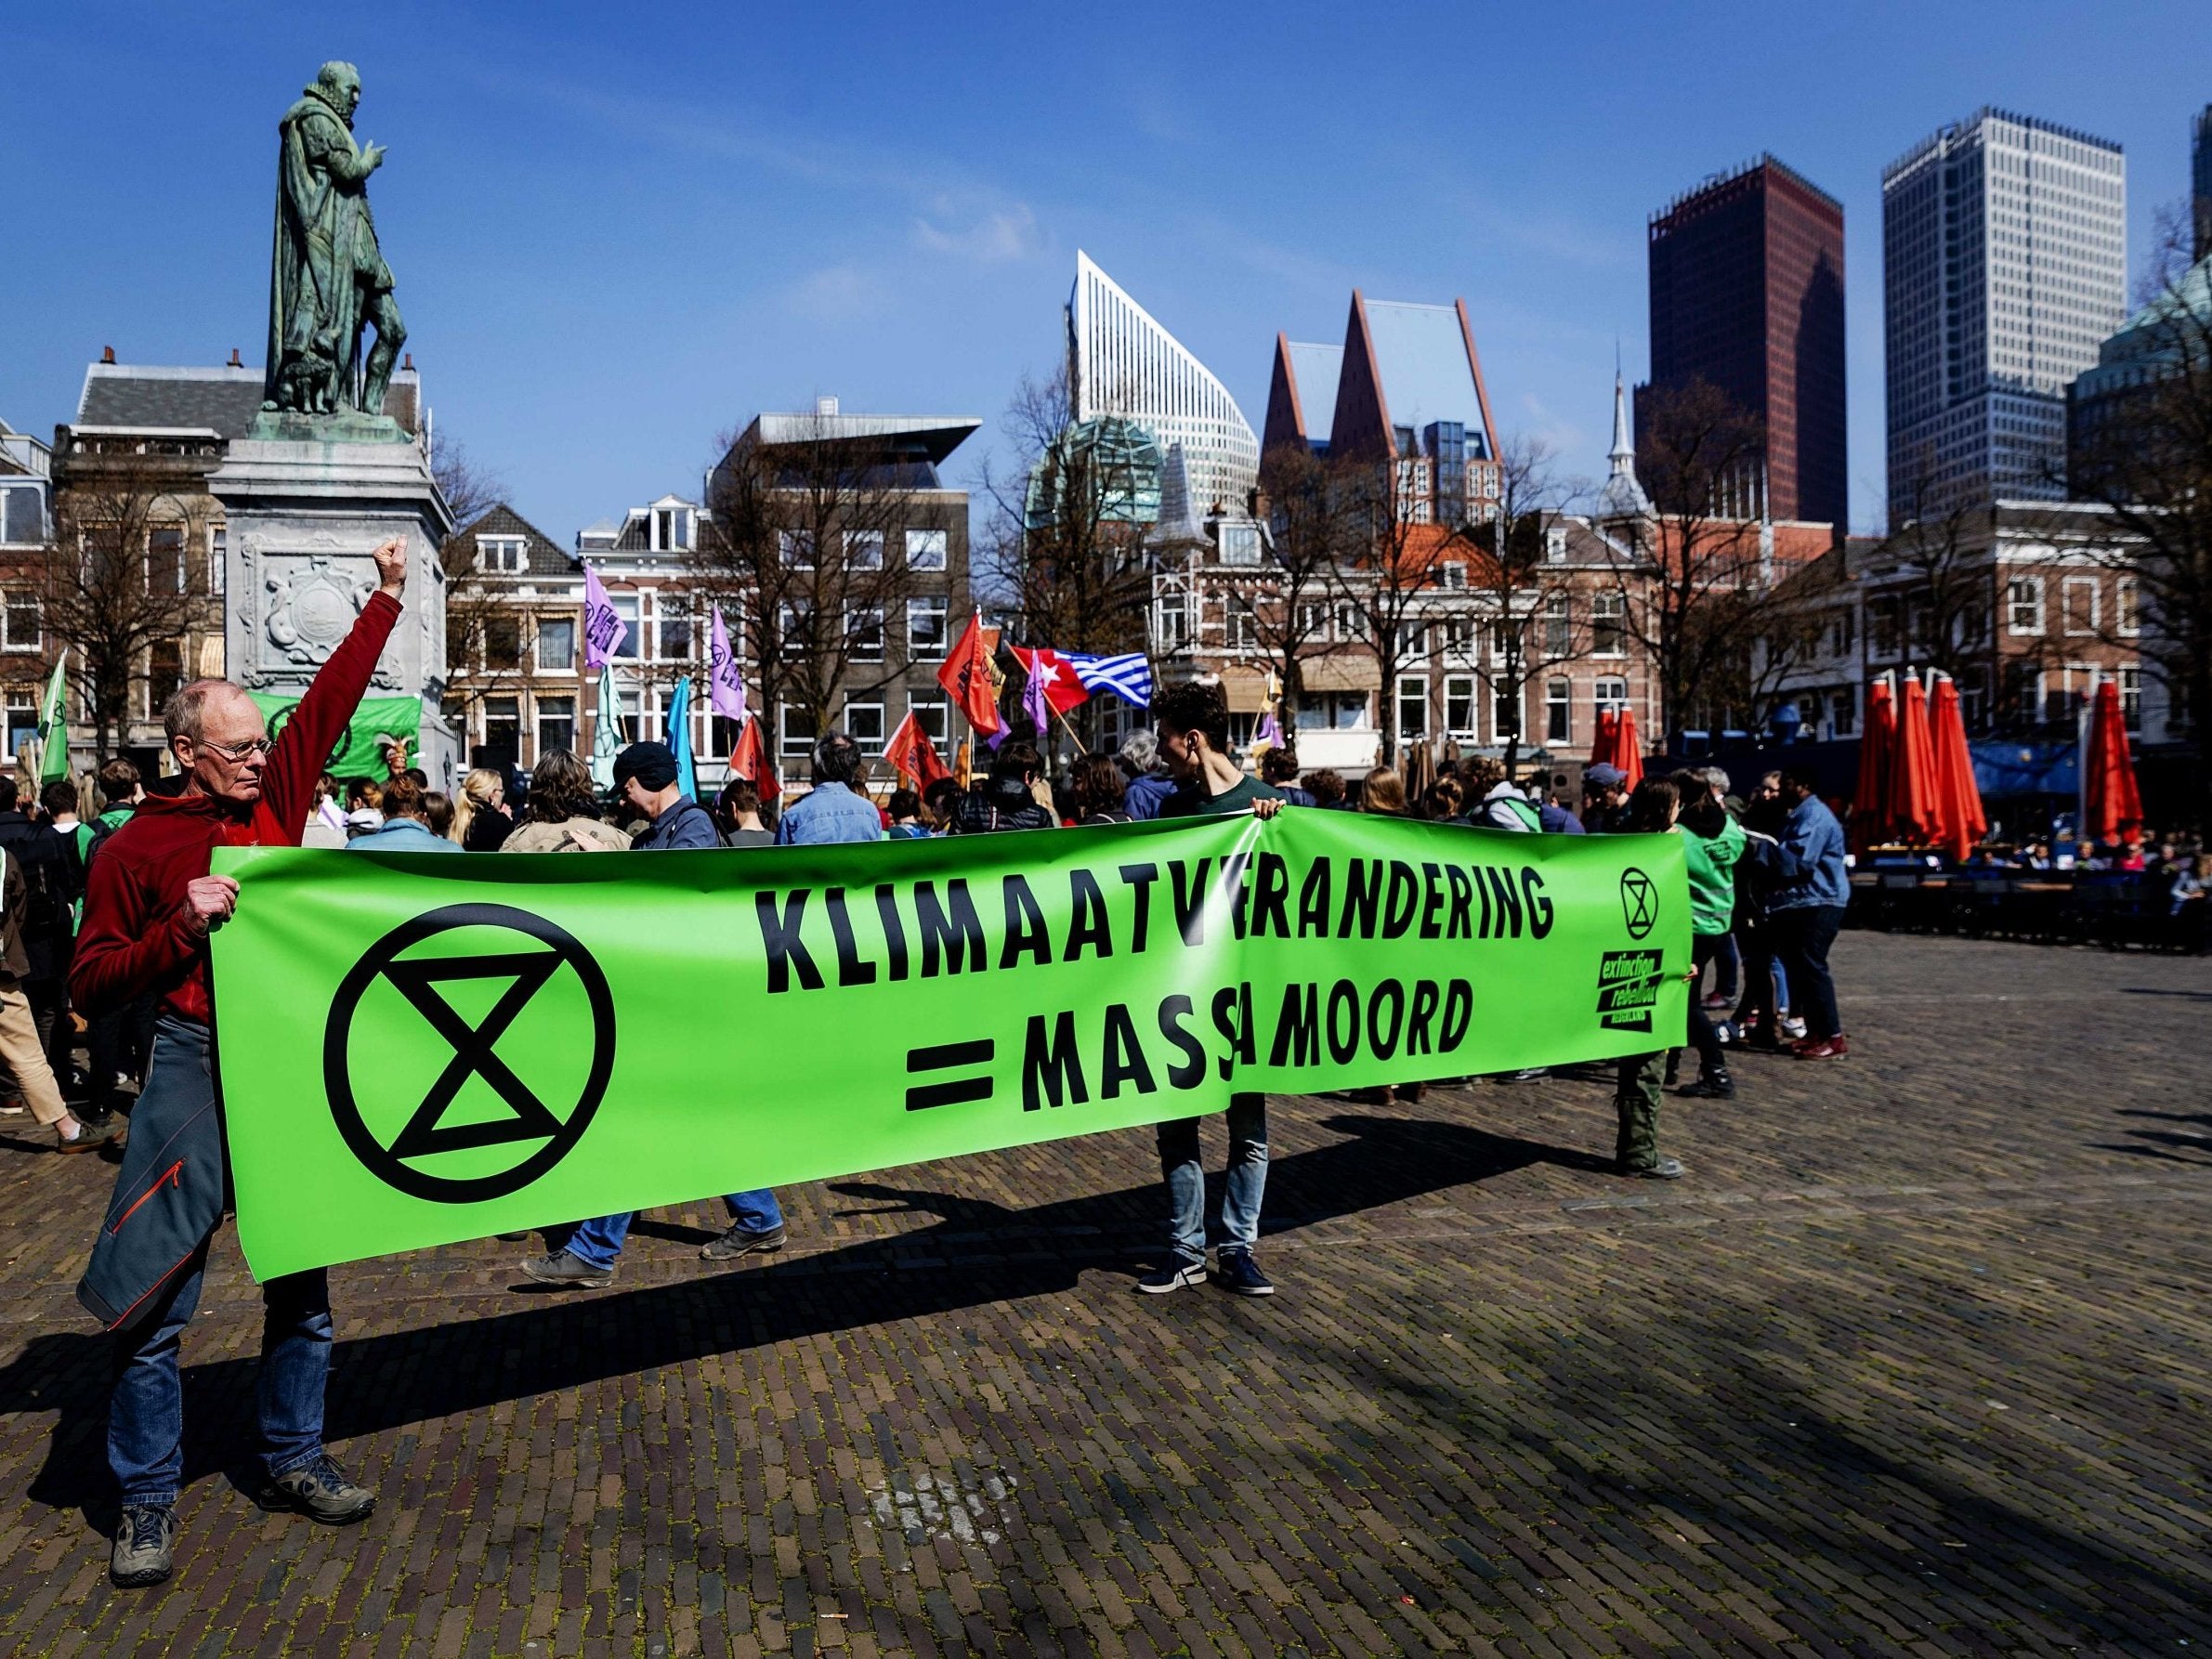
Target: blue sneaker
x=1241 y=1274
x=1176 y=1275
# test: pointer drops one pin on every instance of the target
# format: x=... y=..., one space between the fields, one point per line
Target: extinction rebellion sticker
x=1629 y=988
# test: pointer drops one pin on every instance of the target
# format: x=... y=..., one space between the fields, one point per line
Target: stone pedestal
x=304 y=514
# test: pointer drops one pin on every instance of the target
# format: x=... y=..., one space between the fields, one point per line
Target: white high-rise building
x=2004 y=267
x=1122 y=362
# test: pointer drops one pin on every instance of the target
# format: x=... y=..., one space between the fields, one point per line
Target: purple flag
x=725 y=691
x=1267 y=731
x=1033 y=703
x=603 y=625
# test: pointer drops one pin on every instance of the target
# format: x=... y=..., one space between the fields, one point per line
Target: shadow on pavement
x=384 y=1383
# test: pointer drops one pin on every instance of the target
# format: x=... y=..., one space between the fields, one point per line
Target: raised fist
x=391 y=566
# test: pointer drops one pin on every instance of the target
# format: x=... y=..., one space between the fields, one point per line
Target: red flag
x=749 y=759
x=915 y=756
x=1062 y=689
x=966 y=675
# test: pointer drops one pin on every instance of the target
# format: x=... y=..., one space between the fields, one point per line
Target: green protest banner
x=418 y=1050
x=359 y=753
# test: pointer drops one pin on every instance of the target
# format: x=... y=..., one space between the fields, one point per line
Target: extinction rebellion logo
x=1629 y=988
x=412 y=1065
x=1639 y=902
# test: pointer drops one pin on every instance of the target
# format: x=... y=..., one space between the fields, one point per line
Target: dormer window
x=1455 y=575
x=501 y=555
x=1555 y=546
x=1240 y=544
x=671 y=530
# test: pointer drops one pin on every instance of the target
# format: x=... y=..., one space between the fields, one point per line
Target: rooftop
x=143 y=396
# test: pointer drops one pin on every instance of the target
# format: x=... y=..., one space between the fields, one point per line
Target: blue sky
x=619 y=230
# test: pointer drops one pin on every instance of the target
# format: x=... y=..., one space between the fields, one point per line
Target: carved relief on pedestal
x=296 y=607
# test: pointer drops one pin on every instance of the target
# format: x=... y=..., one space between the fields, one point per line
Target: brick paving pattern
x=1915 y=1361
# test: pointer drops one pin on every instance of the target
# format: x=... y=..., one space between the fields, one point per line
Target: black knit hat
x=651 y=764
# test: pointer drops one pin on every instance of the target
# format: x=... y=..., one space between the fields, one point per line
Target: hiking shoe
x=742 y=1241
x=1176 y=1275
x=1667 y=1169
x=572 y=1273
x=1240 y=1275
x=145 y=1548
x=319 y=1490
x=91 y=1137
x=1715 y=1085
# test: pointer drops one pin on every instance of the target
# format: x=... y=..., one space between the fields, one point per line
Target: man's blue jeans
x=146 y=1414
x=600 y=1242
x=1241 y=1189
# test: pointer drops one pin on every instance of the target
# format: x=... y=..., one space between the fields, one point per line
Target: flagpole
x=1061 y=716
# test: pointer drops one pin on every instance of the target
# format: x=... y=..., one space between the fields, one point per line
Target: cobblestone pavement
x=1914 y=1361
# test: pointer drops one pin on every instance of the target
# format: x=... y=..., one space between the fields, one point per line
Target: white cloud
x=835 y=294
x=997 y=237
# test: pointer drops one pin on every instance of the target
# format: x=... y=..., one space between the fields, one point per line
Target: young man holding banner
x=1194 y=739
x=149 y=911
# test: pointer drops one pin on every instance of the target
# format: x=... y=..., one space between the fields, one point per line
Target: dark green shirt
x=1191 y=801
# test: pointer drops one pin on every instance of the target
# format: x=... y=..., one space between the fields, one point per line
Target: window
x=864 y=550
x=1608 y=625
x=1243 y=628
x=1974 y=697
x=926 y=550
x=502 y=728
x=1341 y=710
x=675 y=636
x=794 y=733
x=22 y=720
x=1505 y=711
x=1555 y=547
x=794 y=628
x=1843 y=713
x=1883 y=639
x=1313 y=619
x=1413 y=705
x=2023 y=605
x=219 y=556
x=864 y=725
x=22 y=516
x=1559 y=712
x=557 y=724
x=1170 y=623
x=864 y=633
x=625 y=606
x=502 y=555
x=165 y=558
x=557 y=644
x=1970 y=626
x=165 y=674
x=1413 y=641
x=925 y=629
x=2130 y=616
x=1458 y=636
x=1459 y=705
x=1240 y=544
x=797 y=548
x=1558 y=624
x=1504 y=639
x=2024 y=692
x=503 y=642
x=1609 y=694
x=671 y=530
x=933 y=715
x=2080 y=595
x=2131 y=697
x=1455 y=576
x=21 y=624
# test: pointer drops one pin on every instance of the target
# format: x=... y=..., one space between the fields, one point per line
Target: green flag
x=359 y=752
x=418 y=1050
x=53 y=725
x=606 y=736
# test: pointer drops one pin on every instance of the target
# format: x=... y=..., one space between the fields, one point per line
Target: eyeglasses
x=235 y=753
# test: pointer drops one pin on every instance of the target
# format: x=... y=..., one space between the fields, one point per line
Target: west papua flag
x=967 y=675
x=725 y=691
x=916 y=757
x=1062 y=690
x=749 y=759
x=603 y=625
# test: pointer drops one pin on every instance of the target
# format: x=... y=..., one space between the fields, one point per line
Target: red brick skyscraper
x=1746 y=292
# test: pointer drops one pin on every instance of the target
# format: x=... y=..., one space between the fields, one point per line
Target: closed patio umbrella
x=2110 y=798
x=1912 y=813
x=1608 y=740
x=1959 y=798
x=1628 y=750
x=1870 y=799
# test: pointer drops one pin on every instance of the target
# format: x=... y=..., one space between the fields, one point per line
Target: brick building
x=514 y=657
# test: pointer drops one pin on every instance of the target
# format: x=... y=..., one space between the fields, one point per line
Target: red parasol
x=1607 y=739
x=1870 y=800
x=2110 y=799
x=1957 y=797
x=1913 y=817
x=1628 y=753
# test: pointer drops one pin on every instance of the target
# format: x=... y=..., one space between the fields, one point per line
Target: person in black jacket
x=1005 y=799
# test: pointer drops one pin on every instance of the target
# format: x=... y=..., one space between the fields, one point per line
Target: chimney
x=107 y=354
x=407 y=363
x=825 y=407
x=234 y=363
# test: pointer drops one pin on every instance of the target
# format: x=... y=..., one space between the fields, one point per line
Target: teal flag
x=416 y=1049
x=607 y=731
x=679 y=737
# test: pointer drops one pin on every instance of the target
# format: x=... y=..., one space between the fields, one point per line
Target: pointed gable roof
x=1407 y=365
x=1302 y=395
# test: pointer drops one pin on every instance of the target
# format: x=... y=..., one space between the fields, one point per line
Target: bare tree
x=805 y=549
x=126 y=579
x=1382 y=588
x=1311 y=524
x=1694 y=585
x=2146 y=456
x=485 y=648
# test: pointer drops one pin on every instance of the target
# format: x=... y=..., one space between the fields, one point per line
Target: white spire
x=1623 y=495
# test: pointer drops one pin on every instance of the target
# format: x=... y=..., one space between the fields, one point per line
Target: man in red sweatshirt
x=147 y=911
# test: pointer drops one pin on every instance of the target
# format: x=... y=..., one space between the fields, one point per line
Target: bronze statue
x=328 y=280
